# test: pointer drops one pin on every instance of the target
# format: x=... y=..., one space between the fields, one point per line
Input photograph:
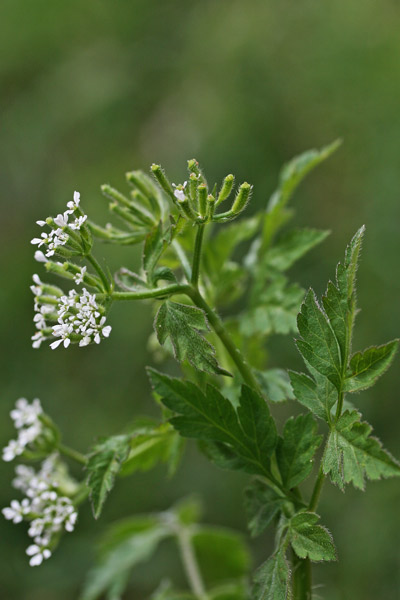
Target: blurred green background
x=90 y=89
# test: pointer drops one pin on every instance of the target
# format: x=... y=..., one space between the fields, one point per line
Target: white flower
x=78 y=278
x=79 y=221
x=73 y=205
x=16 y=511
x=178 y=192
x=25 y=413
x=40 y=257
x=79 y=315
x=62 y=219
x=38 y=554
x=27 y=421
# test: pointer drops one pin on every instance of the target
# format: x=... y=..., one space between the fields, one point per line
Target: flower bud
x=226 y=189
x=242 y=198
x=202 y=196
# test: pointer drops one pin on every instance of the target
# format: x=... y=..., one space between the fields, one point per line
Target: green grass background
x=92 y=88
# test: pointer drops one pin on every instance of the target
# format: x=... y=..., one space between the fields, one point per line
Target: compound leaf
x=318 y=395
x=248 y=435
x=310 y=540
x=182 y=323
x=296 y=449
x=103 y=465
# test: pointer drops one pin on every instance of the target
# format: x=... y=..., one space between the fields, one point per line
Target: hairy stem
x=197 y=255
x=71 y=453
x=226 y=339
x=190 y=564
x=317 y=490
x=301 y=578
x=100 y=271
x=168 y=290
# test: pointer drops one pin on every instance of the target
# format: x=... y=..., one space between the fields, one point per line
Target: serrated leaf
x=318 y=345
x=310 y=540
x=117 y=562
x=366 y=367
x=352 y=454
x=262 y=504
x=296 y=449
x=317 y=397
x=103 y=464
x=271 y=580
x=221 y=553
x=292 y=246
x=275 y=309
x=182 y=323
x=339 y=300
x=249 y=432
x=275 y=384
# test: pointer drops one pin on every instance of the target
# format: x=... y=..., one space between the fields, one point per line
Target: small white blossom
x=78 y=278
x=62 y=219
x=79 y=221
x=16 y=511
x=38 y=554
x=73 y=205
x=27 y=421
x=178 y=192
x=40 y=257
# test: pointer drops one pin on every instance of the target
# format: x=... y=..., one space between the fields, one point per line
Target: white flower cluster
x=58 y=237
x=27 y=421
x=42 y=310
x=48 y=511
x=79 y=315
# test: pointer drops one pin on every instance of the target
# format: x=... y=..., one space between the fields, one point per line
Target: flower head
x=27 y=421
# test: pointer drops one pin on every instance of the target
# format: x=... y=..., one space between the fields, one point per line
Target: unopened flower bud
x=242 y=198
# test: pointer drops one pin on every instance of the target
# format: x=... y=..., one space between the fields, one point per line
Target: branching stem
x=71 y=453
x=190 y=564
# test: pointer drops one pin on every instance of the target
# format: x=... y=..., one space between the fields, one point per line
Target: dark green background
x=92 y=88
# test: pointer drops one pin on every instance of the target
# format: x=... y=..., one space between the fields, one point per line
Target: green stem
x=301 y=578
x=317 y=490
x=190 y=564
x=168 y=290
x=100 y=271
x=71 y=453
x=197 y=255
x=226 y=339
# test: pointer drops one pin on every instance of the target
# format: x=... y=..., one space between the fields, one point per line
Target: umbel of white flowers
x=68 y=317
x=44 y=506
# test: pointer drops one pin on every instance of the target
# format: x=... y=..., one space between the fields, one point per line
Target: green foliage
x=249 y=432
x=263 y=505
x=291 y=247
x=317 y=394
x=366 y=367
x=103 y=465
x=295 y=450
x=271 y=580
x=182 y=324
x=222 y=554
x=310 y=540
x=275 y=384
x=352 y=454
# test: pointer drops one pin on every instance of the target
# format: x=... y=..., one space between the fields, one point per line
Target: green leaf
x=262 y=505
x=275 y=310
x=352 y=454
x=103 y=465
x=366 y=367
x=318 y=345
x=229 y=591
x=339 y=300
x=310 y=540
x=317 y=397
x=271 y=580
x=150 y=446
x=121 y=557
x=295 y=450
x=182 y=323
x=290 y=177
x=129 y=281
x=292 y=246
x=221 y=553
x=249 y=433
x=275 y=384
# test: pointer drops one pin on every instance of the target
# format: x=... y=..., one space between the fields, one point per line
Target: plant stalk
x=71 y=453
x=190 y=564
x=301 y=578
